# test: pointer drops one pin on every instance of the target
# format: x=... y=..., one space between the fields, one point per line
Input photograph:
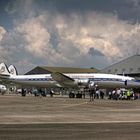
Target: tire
x=71 y=95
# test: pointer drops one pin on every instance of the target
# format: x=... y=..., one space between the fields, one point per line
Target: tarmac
x=63 y=118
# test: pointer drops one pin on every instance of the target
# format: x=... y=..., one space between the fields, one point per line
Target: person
x=114 y=94
x=110 y=95
x=51 y=93
x=92 y=92
x=128 y=94
x=23 y=92
x=102 y=94
x=97 y=93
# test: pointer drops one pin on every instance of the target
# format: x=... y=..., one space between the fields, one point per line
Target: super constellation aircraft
x=68 y=80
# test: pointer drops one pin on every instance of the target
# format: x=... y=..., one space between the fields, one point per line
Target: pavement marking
x=78 y=122
x=67 y=106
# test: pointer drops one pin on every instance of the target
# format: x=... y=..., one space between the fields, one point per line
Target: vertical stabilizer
x=3 y=69
x=12 y=69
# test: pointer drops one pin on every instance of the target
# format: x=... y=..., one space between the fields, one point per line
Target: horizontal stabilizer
x=63 y=80
x=4 y=76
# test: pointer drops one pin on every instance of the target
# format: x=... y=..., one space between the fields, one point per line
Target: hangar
x=129 y=66
x=49 y=70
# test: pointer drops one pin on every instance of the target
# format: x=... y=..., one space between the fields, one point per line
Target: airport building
x=49 y=70
x=129 y=66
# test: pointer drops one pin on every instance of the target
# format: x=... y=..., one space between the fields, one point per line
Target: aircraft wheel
x=71 y=95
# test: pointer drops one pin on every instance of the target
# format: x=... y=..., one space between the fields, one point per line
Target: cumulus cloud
x=35 y=34
x=91 y=39
x=20 y=7
x=2 y=32
x=3 y=52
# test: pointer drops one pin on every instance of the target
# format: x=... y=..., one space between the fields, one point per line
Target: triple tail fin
x=4 y=70
x=12 y=69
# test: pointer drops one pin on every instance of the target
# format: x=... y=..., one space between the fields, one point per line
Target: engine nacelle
x=91 y=84
x=82 y=82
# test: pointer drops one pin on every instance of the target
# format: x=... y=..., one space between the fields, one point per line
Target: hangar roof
x=47 y=70
x=129 y=66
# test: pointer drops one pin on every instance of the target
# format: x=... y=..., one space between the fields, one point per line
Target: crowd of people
x=124 y=94
x=116 y=94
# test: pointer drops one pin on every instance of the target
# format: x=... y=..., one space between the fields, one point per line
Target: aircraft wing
x=63 y=80
x=4 y=79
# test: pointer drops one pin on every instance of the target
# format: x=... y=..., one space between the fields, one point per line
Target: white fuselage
x=40 y=80
x=102 y=80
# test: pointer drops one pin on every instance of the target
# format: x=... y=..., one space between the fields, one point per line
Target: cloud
x=11 y=8
x=3 y=53
x=134 y=3
x=90 y=39
x=35 y=35
x=95 y=52
x=20 y=7
x=2 y=32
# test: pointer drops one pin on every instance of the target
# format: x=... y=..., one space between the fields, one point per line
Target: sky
x=68 y=33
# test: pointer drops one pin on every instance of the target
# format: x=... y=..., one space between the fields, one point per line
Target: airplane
x=68 y=80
